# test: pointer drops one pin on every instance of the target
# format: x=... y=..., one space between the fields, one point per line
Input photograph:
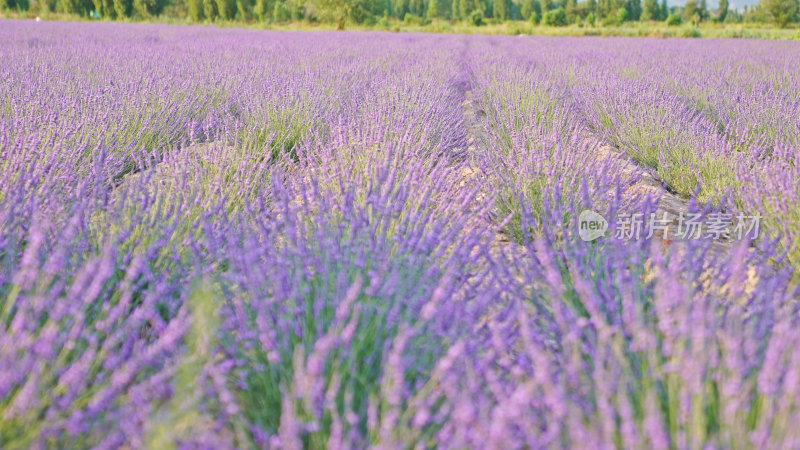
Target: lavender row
x=236 y=239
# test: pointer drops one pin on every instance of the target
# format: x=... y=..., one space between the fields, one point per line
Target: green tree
x=673 y=20
x=689 y=10
x=433 y=9
x=664 y=10
x=622 y=15
x=476 y=18
x=244 y=9
x=226 y=9
x=571 y=10
x=67 y=6
x=341 y=11
x=702 y=9
x=501 y=9
x=723 y=10
x=650 y=10
x=555 y=18
x=455 y=12
x=280 y=13
x=634 y=8
x=607 y=8
x=546 y=5
x=297 y=9
x=195 y=10
x=461 y=9
x=148 y=8
x=210 y=9
x=400 y=8
x=122 y=8
x=261 y=10
x=105 y=8
x=528 y=7
x=781 y=11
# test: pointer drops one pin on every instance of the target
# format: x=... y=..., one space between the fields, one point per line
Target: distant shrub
x=622 y=15
x=690 y=32
x=534 y=18
x=590 y=19
x=384 y=22
x=412 y=19
x=781 y=12
x=609 y=21
x=476 y=18
x=555 y=18
x=674 y=20
x=281 y=13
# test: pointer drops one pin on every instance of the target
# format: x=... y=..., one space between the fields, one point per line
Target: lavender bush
x=241 y=239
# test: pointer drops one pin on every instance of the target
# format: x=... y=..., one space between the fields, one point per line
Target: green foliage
x=280 y=13
x=80 y=7
x=19 y=5
x=702 y=9
x=342 y=11
x=690 y=32
x=634 y=8
x=781 y=12
x=412 y=19
x=261 y=10
x=529 y=7
x=534 y=18
x=463 y=9
x=555 y=18
x=723 y=10
x=591 y=19
x=571 y=9
x=226 y=9
x=546 y=5
x=650 y=10
x=674 y=20
x=689 y=10
x=501 y=8
x=433 y=9
x=454 y=11
x=476 y=18
x=622 y=15
x=122 y=8
x=244 y=9
x=210 y=9
x=195 y=8
x=148 y=8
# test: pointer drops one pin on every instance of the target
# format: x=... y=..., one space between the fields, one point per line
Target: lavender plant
x=242 y=239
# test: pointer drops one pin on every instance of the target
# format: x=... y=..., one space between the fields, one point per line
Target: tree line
x=371 y=12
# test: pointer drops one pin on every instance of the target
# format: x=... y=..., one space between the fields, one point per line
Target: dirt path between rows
x=637 y=180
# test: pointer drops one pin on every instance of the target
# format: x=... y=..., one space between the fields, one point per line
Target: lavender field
x=220 y=238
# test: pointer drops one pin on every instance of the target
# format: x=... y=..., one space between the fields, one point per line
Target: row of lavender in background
x=227 y=238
